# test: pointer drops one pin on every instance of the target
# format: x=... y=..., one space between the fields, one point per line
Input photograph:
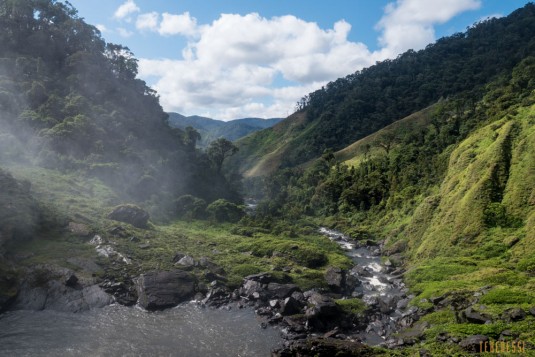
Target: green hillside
x=353 y=107
x=449 y=190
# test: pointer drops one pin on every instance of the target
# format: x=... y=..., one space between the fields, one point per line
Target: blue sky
x=229 y=59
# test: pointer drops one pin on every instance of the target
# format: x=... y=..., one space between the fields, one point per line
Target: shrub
x=189 y=207
x=225 y=211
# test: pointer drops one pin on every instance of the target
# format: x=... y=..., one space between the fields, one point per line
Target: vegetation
x=358 y=105
x=72 y=102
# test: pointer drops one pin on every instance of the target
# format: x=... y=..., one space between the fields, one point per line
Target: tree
x=191 y=136
x=219 y=150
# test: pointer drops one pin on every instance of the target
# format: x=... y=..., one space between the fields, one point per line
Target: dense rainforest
x=71 y=101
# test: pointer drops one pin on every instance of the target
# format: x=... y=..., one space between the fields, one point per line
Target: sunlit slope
x=370 y=146
x=261 y=153
x=487 y=198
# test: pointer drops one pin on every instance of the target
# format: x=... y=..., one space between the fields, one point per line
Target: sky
x=229 y=59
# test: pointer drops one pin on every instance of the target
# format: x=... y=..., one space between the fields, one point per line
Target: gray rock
x=290 y=306
x=178 y=256
x=322 y=306
x=187 y=261
x=263 y=278
x=473 y=343
x=335 y=278
x=514 y=314
x=160 y=290
x=250 y=287
x=132 y=214
x=475 y=317
x=281 y=291
x=95 y=297
x=532 y=311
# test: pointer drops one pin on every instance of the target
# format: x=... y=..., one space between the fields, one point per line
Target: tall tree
x=219 y=150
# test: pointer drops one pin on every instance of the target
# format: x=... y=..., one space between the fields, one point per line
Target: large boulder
x=59 y=289
x=474 y=343
x=132 y=214
x=160 y=290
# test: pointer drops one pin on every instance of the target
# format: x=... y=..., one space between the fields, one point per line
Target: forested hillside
x=449 y=192
x=72 y=102
x=353 y=107
x=211 y=129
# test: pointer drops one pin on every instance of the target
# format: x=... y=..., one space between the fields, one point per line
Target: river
x=190 y=330
x=378 y=288
x=187 y=330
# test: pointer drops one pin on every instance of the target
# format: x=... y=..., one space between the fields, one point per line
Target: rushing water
x=187 y=330
x=376 y=284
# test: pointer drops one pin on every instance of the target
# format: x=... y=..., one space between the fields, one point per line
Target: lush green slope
x=351 y=108
x=72 y=102
x=450 y=190
x=211 y=129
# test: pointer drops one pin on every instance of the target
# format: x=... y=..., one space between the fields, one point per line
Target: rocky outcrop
x=59 y=289
x=322 y=347
x=131 y=214
x=163 y=289
x=340 y=281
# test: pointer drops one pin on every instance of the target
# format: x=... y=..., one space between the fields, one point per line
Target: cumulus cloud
x=182 y=24
x=227 y=72
x=409 y=24
x=232 y=71
x=148 y=21
x=127 y=8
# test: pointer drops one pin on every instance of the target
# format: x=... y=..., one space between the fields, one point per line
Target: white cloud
x=234 y=66
x=101 y=28
x=127 y=8
x=182 y=24
x=230 y=72
x=148 y=21
x=124 y=32
x=409 y=24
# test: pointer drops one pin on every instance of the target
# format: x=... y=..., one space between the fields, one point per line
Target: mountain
x=353 y=107
x=211 y=129
x=71 y=102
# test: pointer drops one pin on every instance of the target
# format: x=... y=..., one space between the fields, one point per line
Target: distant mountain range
x=211 y=129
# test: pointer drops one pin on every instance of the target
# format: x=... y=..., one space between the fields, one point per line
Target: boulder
x=281 y=291
x=474 y=343
x=263 y=278
x=131 y=214
x=321 y=306
x=290 y=306
x=475 y=317
x=335 y=278
x=53 y=288
x=532 y=311
x=514 y=314
x=162 y=289
x=187 y=261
